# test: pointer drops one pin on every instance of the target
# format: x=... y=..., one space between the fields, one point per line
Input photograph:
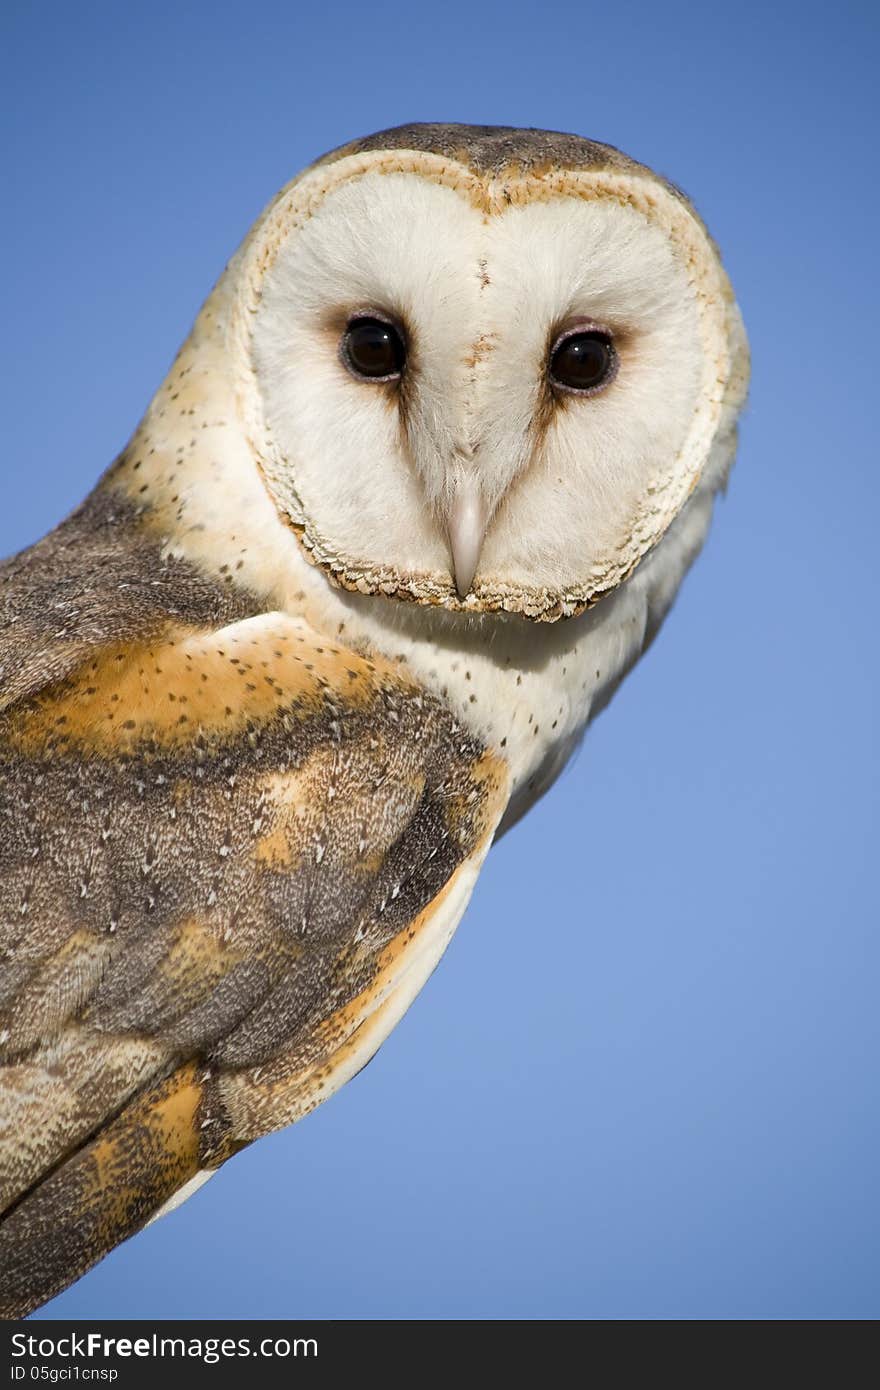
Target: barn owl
x=414 y=496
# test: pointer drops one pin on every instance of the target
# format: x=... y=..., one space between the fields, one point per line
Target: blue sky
x=643 y=1082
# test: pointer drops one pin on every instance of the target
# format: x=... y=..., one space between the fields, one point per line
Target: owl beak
x=468 y=518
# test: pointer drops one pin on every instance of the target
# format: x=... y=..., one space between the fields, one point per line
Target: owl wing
x=231 y=854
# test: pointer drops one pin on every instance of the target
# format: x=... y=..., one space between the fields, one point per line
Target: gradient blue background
x=643 y=1083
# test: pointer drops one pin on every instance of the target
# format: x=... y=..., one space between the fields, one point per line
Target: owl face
x=488 y=389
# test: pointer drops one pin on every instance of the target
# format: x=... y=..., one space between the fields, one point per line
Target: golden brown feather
x=223 y=838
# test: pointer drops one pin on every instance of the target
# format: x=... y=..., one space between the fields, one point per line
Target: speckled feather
x=496 y=151
x=220 y=836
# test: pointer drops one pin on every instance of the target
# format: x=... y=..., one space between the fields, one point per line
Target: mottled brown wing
x=231 y=852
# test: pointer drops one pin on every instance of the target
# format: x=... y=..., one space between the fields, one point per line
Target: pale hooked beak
x=468 y=518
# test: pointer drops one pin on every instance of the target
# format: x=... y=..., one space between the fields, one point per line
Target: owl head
x=479 y=368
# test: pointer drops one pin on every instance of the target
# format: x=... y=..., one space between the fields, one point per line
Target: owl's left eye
x=373 y=349
x=583 y=361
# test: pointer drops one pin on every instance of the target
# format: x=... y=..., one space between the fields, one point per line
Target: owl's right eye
x=373 y=349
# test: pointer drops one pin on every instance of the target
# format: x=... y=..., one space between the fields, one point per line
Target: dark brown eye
x=583 y=361
x=373 y=349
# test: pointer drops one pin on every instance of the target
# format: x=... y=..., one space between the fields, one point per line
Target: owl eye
x=583 y=361
x=373 y=349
